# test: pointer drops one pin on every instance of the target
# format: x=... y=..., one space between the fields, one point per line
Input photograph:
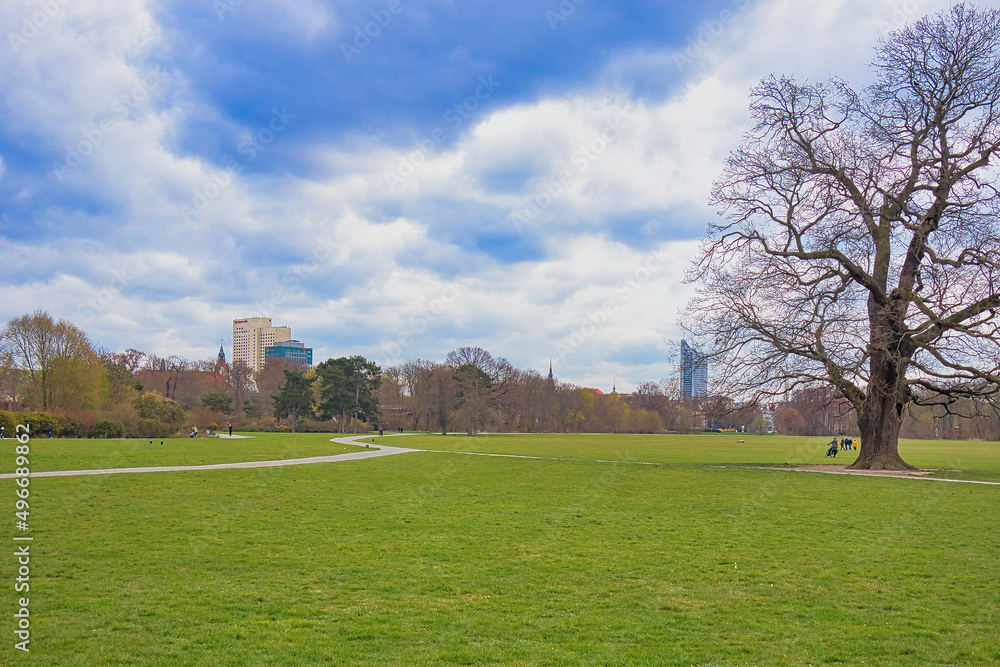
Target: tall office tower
x=252 y=336
x=694 y=372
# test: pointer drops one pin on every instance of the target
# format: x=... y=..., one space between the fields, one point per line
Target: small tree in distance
x=861 y=247
x=218 y=402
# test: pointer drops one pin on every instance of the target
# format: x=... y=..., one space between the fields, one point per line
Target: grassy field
x=443 y=558
x=90 y=454
x=957 y=459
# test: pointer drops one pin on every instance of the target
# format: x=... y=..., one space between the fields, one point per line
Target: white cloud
x=308 y=18
x=357 y=266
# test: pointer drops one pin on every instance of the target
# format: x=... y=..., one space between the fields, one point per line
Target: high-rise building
x=251 y=338
x=694 y=372
x=290 y=350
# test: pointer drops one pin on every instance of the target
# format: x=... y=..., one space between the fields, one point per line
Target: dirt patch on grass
x=843 y=469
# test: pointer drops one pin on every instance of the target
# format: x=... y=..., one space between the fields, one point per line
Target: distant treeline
x=50 y=373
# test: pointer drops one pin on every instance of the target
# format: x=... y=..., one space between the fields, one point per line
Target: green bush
x=9 y=422
x=149 y=428
x=38 y=423
x=313 y=426
x=152 y=405
x=69 y=428
x=107 y=428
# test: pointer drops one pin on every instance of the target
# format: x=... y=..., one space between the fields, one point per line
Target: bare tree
x=240 y=381
x=497 y=369
x=131 y=360
x=861 y=242
x=483 y=380
x=414 y=380
x=650 y=396
x=440 y=396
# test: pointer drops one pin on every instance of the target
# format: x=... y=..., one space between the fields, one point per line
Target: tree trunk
x=879 y=420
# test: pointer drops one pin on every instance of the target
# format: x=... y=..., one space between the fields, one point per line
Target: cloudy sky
x=390 y=178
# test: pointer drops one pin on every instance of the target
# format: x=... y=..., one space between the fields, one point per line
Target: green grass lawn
x=443 y=559
x=90 y=454
x=956 y=459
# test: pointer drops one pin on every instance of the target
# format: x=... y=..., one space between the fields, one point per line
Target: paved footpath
x=374 y=452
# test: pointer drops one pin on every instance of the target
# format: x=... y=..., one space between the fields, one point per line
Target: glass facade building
x=290 y=350
x=694 y=372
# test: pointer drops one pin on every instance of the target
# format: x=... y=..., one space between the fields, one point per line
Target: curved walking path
x=374 y=452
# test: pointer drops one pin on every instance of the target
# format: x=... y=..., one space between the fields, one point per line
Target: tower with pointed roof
x=550 y=404
x=221 y=367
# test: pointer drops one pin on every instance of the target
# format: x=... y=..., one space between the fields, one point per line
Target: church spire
x=221 y=367
x=550 y=368
x=614 y=386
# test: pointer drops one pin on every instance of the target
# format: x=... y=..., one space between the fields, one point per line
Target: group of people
x=845 y=444
x=194 y=431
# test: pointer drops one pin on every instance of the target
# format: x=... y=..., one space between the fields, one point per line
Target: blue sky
x=388 y=178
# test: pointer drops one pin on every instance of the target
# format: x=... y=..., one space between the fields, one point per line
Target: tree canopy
x=294 y=399
x=860 y=241
x=59 y=367
x=348 y=387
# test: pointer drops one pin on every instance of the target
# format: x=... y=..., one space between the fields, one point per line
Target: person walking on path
x=230 y=429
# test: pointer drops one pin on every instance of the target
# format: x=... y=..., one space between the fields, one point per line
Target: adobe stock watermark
x=294 y=277
x=365 y=34
x=98 y=304
x=32 y=25
x=418 y=323
x=552 y=190
x=902 y=13
x=562 y=13
x=708 y=32
x=22 y=475
x=124 y=107
x=251 y=146
x=223 y=7
x=626 y=288
x=453 y=117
